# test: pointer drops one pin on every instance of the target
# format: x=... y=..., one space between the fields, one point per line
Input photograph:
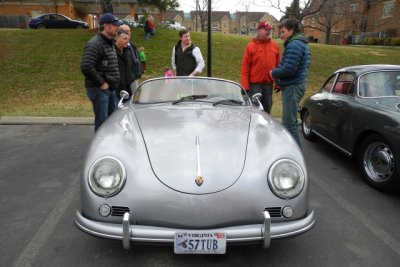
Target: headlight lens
x=107 y=177
x=286 y=178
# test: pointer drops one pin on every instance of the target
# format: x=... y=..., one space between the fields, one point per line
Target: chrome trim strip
x=236 y=234
x=198 y=156
x=266 y=229
x=199 y=179
x=126 y=243
x=333 y=144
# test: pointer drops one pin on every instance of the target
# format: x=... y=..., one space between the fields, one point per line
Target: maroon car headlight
x=107 y=176
x=286 y=178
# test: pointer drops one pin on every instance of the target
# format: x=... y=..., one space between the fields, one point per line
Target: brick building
x=353 y=20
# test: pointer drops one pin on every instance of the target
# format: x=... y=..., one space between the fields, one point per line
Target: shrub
x=380 y=41
x=388 y=41
x=395 y=42
x=364 y=41
x=372 y=41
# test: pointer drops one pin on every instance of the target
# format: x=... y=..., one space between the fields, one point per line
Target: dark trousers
x=291 y=96
x=266 y=91
x=103 y=102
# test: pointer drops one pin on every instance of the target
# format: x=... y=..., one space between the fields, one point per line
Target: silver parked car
x=358 y=111
x=194 y=163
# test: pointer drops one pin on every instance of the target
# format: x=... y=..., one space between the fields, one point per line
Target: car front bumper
x=126 y=232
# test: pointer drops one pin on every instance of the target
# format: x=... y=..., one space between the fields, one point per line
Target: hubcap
x=306 y=124
x=378 y=162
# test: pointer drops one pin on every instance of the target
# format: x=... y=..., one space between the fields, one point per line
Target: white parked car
x=177 y=26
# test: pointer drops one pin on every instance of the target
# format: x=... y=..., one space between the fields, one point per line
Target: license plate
x=200 y=243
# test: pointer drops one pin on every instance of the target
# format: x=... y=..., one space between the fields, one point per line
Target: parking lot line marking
x=39 y=240
x=381 y=234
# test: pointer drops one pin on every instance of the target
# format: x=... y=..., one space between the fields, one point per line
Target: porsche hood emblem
x=199 y=180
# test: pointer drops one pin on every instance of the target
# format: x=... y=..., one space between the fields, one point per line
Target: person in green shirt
x=142 y=58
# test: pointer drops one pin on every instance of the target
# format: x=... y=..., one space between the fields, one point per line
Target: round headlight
x=107 y=177
x=286 y=178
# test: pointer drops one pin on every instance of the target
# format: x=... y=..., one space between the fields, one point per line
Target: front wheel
x=378 y=163
x=306 y=127
x=41 y=27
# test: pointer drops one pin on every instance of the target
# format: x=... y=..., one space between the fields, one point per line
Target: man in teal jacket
x=291 y=73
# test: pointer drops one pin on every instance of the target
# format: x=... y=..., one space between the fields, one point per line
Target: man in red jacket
x=260 y=57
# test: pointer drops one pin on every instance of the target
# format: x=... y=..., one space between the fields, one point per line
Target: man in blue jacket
x=291 y=73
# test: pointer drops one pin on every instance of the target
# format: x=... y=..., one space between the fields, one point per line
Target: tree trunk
x=327 y=36
x=106 y=6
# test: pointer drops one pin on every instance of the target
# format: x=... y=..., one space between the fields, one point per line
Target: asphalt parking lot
x=39 y=183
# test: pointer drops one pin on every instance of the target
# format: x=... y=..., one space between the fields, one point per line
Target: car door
x=61 y=22
x=47 y=21
x=318 y=106
x=339 y=109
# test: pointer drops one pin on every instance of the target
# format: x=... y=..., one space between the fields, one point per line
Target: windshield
x=196 y=89
x=380 y=84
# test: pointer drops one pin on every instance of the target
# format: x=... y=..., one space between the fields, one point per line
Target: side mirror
x=256 y=98
x=124 y=95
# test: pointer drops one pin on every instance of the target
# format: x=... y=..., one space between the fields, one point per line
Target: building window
x=388 y=9
x=353 y=8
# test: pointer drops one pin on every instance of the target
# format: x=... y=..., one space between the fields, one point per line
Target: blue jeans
x=103 y=102
x=291 y=96
x=266 y=92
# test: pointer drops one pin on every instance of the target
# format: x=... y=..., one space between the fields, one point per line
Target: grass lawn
x=40 y=69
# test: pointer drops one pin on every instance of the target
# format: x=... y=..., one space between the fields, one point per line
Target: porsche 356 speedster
x=195 y=163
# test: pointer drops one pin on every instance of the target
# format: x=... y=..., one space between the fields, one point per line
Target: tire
x=378 y=163
x=79 y=26
x=306 y=127
x=41 y=26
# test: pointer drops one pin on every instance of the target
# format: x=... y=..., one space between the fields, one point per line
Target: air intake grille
x=119 y=211
x=274 y=211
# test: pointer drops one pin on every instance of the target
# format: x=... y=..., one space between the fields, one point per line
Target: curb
x=18 y=120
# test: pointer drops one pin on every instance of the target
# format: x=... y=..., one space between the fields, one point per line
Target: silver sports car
x=195 y=163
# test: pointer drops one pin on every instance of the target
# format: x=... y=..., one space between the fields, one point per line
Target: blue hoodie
x=293 y=67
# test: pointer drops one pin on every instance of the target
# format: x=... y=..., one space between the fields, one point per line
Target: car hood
x=177 y=159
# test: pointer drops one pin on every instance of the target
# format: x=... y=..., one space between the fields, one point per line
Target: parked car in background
x=56 y=21
x=357 y=110
x=132 y=23
x=194 y=163
x=176 y=26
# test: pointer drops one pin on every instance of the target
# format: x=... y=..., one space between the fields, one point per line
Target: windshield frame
x=183 y=86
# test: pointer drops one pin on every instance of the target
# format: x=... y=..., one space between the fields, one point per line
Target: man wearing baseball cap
x=99 y=65
x=261 y=55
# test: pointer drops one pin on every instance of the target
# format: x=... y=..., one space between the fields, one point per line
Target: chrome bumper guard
x=246 y=233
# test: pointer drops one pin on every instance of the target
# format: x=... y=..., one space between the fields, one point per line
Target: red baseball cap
x=264 y=25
